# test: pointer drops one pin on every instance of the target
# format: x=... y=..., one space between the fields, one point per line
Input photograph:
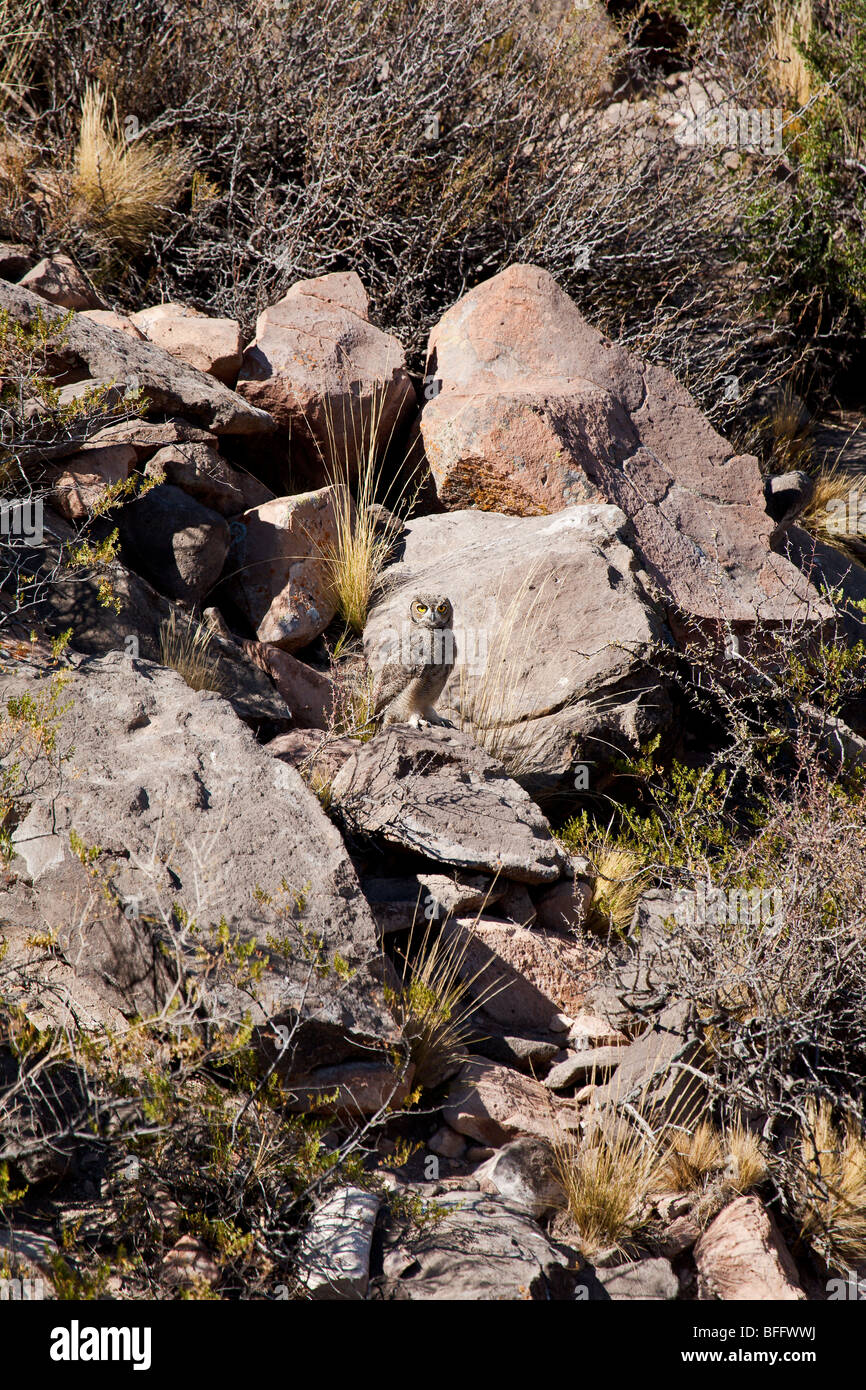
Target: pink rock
x=280 y=573
x=334 y=382
x=84 y=479
x=540 y=972
x=188 y=1262
x=492 y=1104
x=308 y=694
x=211 y=345
x=58 y=279
x=120 y=323
x=538 y=410
x=741 y=1256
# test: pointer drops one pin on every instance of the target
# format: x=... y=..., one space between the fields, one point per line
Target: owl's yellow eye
x=421 y=607
x=443 y=608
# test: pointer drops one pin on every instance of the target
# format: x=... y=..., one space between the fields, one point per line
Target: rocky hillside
x=556 y=992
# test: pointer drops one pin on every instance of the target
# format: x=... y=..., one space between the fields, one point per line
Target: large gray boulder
x=538 y=410
x=554 y=633
x=190 y=820
x=171 y=386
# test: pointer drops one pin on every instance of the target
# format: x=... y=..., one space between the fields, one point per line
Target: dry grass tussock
x=121 y=189
x=368 y=508
x=186 y=646
x=829 y=1191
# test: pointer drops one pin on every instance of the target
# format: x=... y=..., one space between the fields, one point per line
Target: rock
x=308 y=694
x=446 y=1143
x=559 y=1023
x=542 y=678
x=532 y=1055
x=741 y=1256
x=648 y=1074
x=482 y=1249
x=337 y=385
x=85 y=479
x=517 y=906
x=532 y=972
x=829 y=568
x=786 y=495
x=106 y=968
x=564 y=906
x=188 y=809
x=15 y=260
x=579 y=1066
x=190 y=1262
x=334 y=1255
x=493 y=1104
x=537 y=411
x=435 y=792
x=651 y=1279
x=58 y=279
x=33 y=1248
x=590 y=1030
x=280 y=577
x=119 y=323
x=214 y=346
x=637 y=982
x=352 y=1090
x=170 y=386
x=147 y=437
x=524 y=1172
x=132 y=624
x=316 y=755
x=180 y=545
x=200 y=472
x=459 y=894
x=399 y=904
x=678 y=1236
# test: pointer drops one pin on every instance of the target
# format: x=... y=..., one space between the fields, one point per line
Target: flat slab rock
x=493 y=1104
x=741 y=1257
x=170 y=385
x=186 y=808
x=437 y=792
x=481 y=1249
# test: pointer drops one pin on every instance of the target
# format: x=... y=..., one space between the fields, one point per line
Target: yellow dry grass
x=792 y=24
x=832 y=515
x=121 y=189
x=830 y=1192
x=185 y=645
x=365 y=538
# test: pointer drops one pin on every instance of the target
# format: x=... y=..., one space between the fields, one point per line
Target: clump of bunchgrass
x=121 y=189
x=829 y=1186
x=187 y=646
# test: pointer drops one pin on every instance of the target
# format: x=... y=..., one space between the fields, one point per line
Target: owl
x=419 y=664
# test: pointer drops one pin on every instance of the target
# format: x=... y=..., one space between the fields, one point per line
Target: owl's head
x=431 y=610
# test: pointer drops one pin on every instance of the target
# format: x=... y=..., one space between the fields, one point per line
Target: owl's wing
x=392 y=679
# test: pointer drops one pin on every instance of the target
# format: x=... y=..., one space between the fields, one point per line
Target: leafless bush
x=425 y=147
